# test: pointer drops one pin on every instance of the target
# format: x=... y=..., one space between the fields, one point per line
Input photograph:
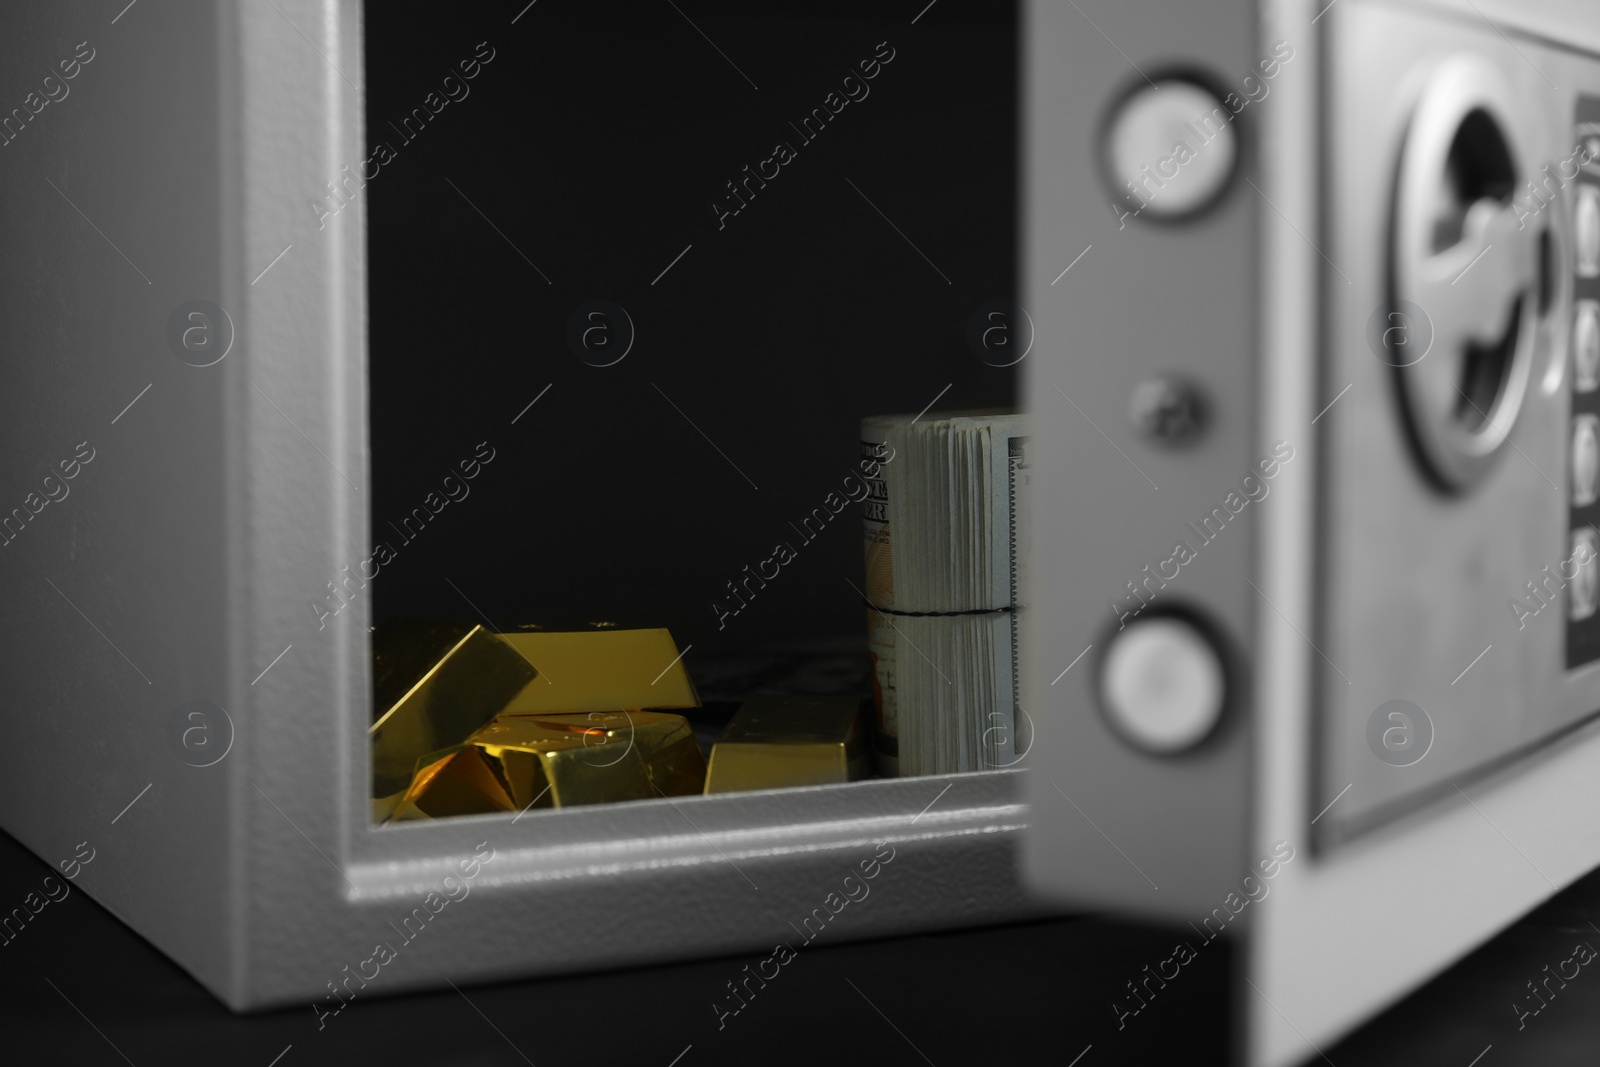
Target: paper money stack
x=945 y=551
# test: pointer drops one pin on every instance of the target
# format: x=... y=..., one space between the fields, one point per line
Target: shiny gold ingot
x=457 y=781
x=543 y=767
x=443 y=697
x=665 y=742
x=775 y=742
x=403 y=650
x=601 y=670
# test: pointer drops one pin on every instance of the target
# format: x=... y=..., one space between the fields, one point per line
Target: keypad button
x=1585 y=460
x=1586 y=230
x=1583 y=591
x=1586 y=345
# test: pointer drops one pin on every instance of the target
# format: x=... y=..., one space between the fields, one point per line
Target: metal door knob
x=1463 y=257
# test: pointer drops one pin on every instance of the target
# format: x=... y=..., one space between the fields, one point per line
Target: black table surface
x=81 y=988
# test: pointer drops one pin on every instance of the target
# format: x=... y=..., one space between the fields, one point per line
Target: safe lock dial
x=1462 y=264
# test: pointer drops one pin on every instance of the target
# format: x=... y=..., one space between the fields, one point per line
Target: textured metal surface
x=1350 y=930
x=1417 y=586
x=1116 y=826
x=667 y=867
x=206 y=529
x=120 y=594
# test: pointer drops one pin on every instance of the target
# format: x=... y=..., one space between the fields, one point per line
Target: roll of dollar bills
x=946 y=550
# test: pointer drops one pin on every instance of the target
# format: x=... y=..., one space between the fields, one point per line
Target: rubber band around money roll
x=940 y=614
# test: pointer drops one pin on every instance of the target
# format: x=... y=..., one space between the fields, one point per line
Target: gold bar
x=438 y=698
x=561 y=768
x=456 y=781
x=665 y=742
x=403 y=650
x=780 y=741
x=601 y=670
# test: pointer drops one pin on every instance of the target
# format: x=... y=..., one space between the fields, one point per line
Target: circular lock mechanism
x=1461 y=255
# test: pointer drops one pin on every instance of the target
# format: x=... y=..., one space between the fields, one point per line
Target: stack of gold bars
x=468 y=722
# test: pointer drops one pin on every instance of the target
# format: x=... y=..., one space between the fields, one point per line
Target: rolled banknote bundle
x=946 y=545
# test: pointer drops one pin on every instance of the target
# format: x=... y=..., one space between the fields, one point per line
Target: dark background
x=594 y=143
x=77 y=987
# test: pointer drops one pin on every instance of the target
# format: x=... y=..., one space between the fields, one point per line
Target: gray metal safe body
x=1359 y=580
x=172 y=700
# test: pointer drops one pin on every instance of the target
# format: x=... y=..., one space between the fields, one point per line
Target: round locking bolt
x=1169 y=150
x=1162 y=685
